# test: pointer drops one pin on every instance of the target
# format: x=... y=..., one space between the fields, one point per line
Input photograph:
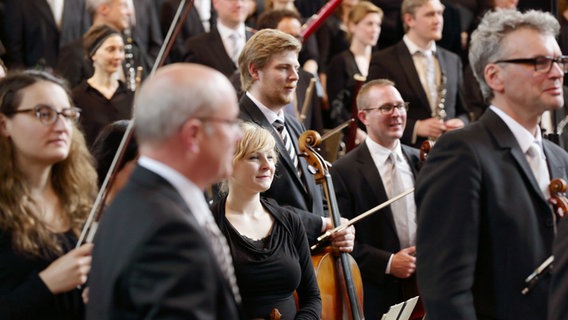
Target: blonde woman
x=47 y=186
x=268 y=242
x=364 y=28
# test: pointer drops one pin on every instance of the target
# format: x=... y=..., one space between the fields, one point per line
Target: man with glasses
x=159 y=253
x=366 y=177
x=485 y=222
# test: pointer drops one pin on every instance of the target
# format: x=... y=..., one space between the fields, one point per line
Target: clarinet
x=130 y=75
x=439 y=111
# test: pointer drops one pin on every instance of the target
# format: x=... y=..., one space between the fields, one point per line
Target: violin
x=338 y=275
x=557 y=188
x=425 y=148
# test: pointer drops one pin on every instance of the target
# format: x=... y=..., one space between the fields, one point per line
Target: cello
x=338 y=275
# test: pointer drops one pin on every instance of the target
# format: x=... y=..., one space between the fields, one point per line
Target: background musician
x=268 y=65
x=384 y=248
x=484 y=220
x=72 y=62
x=422 y=72
x=268 y=244
x=103 y=98
x=48 y=186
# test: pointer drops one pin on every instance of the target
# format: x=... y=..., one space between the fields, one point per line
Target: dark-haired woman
x=103 y=97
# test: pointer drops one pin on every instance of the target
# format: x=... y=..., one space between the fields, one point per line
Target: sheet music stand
x=401 y=311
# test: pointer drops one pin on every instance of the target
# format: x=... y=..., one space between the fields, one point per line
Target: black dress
x=23 y=295
x=340 y=87
x=270 y=270
x=98 y=111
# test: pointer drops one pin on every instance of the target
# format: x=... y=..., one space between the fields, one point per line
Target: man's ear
x=494 y=77
x=253 y=71
x=408 y=20
x=362 y=115
x=191 y=134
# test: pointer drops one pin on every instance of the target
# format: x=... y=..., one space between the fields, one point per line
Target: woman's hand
x=69 y=270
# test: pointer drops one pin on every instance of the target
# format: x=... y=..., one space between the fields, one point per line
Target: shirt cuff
x=388 y=270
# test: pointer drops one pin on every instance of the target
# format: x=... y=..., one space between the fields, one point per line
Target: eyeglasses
x=48 y=115
x=541 y=64
x=388 y=108
x=234 y=123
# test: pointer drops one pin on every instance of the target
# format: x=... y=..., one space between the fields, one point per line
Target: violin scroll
x=425 y=148
x=557 y=188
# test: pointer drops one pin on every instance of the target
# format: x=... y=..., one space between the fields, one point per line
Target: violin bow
x=91 y=224
x=324 y=237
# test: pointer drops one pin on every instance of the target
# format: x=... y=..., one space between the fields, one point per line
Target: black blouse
x=98 y=111
x=270 y=270
x=23 y=295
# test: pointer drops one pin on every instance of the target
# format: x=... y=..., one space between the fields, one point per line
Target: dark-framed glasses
x=48 y=115
x=541 y=64
x=388 y=108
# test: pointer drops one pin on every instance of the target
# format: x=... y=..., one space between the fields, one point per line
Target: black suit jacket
x=152 y=260
x=558 y=308
x=288 y=188
x=192 y=26
x=31 y=35
x=147 y=32
x=358 y=188
x=208 y=49
x=483 y=224
x=395 y=63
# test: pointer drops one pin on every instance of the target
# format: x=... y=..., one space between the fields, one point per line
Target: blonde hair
x=410 y=7
x=255 y=138
x=73 y=179
x=360 y=11
x=260 y=48
x=362 y=96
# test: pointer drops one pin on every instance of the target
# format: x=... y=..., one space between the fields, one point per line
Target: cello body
x=332 y=285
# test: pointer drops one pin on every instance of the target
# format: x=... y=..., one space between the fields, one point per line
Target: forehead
x=430 y=6
x=384 y=94
x=44 y=92
x=529 y=43
x=115 y=39
x=288 y=57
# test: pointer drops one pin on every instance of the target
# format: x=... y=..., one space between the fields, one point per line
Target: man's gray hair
x=167 y=100
x=486 y=41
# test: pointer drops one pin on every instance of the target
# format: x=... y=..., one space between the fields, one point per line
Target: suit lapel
x=218 y=49
x=411 y=74
x=369 y=171
x=45 y=10
x=554 y=162
x=506 y=140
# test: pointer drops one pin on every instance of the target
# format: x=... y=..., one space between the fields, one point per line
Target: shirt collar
x=381 y=153
x=522 y=135
x=413 y=47
x=225 y=32
x=191 y=194
x=270 y=115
